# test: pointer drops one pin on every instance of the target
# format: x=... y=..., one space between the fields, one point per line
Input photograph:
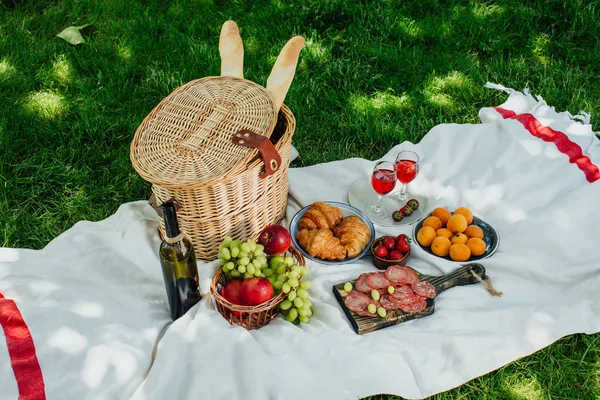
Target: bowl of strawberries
x=390 y=250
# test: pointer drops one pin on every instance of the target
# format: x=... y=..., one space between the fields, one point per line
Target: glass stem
x=377 y=206
x=402 y=194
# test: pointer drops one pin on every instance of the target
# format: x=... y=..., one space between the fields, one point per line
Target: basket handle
x=217 y=115
x=269 y=153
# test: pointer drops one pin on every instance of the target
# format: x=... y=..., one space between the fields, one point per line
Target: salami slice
x=357 y=301
x=400 y=275
x=377 y=280
x=402 y=292
x=387 y=302
x=366 y=313
x=361 y=283
x=415 y=307
x=424 y=289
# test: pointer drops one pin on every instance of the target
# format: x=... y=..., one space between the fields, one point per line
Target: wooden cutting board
x=460 y=277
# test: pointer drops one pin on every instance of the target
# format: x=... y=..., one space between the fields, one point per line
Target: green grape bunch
x=286 y=276
x=243 y=260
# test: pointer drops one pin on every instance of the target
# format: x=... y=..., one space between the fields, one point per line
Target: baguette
x=231 y=49
x=283 y=71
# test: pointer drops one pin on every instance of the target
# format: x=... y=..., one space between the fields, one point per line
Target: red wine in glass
x=383 y=181
x=407 y=168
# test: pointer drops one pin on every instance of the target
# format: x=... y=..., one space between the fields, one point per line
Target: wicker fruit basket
x=185 y=147
x=250 y=317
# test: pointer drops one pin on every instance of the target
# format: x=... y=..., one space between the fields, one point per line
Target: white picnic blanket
x=94 y=300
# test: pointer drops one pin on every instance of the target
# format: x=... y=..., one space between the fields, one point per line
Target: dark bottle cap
x=170 y=218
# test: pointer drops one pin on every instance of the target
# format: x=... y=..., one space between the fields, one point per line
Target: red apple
x=255 y=291
x=232 y=291
x=275 y=238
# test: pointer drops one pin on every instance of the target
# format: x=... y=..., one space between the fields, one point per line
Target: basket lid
x=187 y=138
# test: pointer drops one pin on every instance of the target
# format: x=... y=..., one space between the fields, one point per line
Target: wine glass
x=407 y=167
x=383 y=180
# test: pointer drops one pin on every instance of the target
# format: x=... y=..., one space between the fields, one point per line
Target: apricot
x=476 y=245
x=433 y=222
x=457 y=223
x=460 y=252
x=464 y=211
x=444 y=232
x=441 y=246
x=425 y=236
x=474 y=231
x=459 y=238
x=443 y=214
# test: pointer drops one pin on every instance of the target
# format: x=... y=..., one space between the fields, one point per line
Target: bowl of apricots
x=456 y=235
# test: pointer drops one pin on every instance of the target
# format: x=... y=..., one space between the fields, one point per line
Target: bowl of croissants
x=331 y=232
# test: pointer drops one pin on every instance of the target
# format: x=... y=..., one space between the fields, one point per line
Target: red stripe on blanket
x=560 y=140
x=21 y=350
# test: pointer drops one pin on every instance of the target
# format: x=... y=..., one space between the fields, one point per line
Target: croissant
x=354 y=235
x=321 y=243
x=320 y=215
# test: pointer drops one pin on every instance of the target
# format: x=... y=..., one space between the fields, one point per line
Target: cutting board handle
x=460 y=277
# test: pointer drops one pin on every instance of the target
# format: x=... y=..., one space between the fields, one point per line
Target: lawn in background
x=372 y=74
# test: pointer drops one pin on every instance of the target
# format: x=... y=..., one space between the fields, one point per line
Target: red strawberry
x=397 y=216
x=395 y=255
x=389 y=242
x=381 y=251
x=402 y=243
x=406 y=210
x=413 y=203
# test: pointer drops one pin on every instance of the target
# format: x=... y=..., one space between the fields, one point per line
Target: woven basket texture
x=250 y=317
x=184 y=148
x=186 y=138
x=239 y=204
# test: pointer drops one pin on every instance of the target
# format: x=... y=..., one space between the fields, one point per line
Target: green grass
x=372 y=75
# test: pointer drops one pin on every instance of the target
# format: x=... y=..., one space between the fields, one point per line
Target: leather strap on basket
x=263 y=144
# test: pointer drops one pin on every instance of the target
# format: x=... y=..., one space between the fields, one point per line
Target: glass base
x=377 y=214
x=402 y=196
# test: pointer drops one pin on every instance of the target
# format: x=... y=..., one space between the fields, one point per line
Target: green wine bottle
x=178 y=262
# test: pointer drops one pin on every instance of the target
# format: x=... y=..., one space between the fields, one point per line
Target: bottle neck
x=170 y=219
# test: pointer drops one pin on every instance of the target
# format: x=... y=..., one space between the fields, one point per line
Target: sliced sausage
x=361 y=284
x=424 y=289
x=357 y=301
x=400 y=275
x=377 y=280
x=415 y=307
x=366 y=313
x=388 y=302
x=403 y=292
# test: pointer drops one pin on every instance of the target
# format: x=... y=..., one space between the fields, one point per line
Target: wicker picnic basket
x=250 y=317
x=192 y=147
